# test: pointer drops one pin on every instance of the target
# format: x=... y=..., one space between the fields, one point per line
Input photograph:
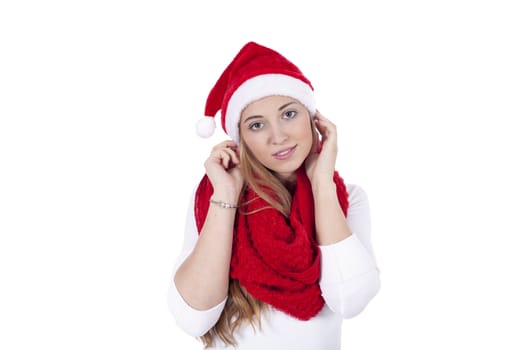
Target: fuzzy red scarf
x=276 y=259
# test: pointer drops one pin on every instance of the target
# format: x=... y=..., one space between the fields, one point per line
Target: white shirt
x=349 y=280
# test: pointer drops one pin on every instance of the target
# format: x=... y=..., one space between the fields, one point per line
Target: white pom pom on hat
x=205 y=127
x=254 y=73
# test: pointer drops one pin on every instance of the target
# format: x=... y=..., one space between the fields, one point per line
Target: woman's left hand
x=320 y=164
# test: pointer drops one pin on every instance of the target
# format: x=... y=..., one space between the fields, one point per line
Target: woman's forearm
x=330 y=221
x=203 y=278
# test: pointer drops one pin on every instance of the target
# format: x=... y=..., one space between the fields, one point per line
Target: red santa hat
x=255 y=72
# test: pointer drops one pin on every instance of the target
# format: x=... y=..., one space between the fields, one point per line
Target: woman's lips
x=284 y=153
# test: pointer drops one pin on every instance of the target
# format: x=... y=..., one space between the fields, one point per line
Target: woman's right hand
x=222 y=168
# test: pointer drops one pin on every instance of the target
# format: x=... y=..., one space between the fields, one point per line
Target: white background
x=98 y=155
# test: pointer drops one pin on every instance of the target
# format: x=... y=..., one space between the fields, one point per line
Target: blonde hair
x=240 y=306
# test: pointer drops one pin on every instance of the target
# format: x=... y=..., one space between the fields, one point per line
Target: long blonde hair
x=240 y=306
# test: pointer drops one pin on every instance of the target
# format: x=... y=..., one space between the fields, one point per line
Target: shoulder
x=356 y=193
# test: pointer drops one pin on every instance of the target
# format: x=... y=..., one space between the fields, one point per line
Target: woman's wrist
x=323 y=186
x=224 y=205
x=226 y=196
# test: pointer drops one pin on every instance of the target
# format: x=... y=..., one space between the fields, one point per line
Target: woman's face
x=278 y=131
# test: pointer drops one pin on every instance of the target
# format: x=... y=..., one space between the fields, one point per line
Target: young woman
x=277 y=248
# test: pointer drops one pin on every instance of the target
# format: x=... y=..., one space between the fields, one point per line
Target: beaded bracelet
x=224 y=204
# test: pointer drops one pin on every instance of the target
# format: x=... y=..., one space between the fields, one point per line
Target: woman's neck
x=289 y=183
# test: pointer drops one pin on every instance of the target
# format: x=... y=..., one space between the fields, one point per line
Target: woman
x=277 y=248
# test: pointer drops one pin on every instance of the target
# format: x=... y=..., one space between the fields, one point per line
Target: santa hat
x=255 y=72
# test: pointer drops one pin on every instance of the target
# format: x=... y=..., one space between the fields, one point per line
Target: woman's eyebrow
x=252 y=117
x=285 y=105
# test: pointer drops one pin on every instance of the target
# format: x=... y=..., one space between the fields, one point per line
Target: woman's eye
x=255 y=126
x=290 y=114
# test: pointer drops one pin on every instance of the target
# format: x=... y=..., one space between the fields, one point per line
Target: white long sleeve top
x=349 y=280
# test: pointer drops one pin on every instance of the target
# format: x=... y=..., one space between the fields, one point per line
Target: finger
x=320 y=116
x=323 y=120
x=325 y=126
x=224 y=153
x=224 y=144
x=219 y=154
x=232 y=158
x=233 y=155
x=224 y=158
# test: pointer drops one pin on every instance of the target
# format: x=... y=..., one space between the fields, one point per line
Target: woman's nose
x=278 y=135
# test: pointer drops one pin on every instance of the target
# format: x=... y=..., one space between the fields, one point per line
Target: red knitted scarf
x=275 y=258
